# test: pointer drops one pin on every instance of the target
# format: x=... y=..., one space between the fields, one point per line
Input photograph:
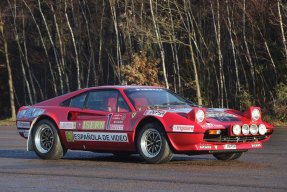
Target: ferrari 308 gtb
x=151 y=121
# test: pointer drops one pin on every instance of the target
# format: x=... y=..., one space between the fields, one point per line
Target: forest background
x=219 y=53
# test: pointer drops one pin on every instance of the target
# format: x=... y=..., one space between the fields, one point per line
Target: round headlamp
x=255 y=114
x=253 y=129
x=245 y=129
x=262 y=129
x=200 y=115
x=236 y=129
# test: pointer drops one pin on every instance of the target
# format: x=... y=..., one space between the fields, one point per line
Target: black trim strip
x=96 y=130
x=228 y=151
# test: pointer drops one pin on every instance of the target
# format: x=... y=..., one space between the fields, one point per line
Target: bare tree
x=10 y=77
x=279 y=3
x=162 y=54
x=75 y=46
x=218 y=40
x=21 y=54
x=174 y=48
x=229 y=28
x=44 y=47
x=53 y=46
x=248 y=52
x=114 y=17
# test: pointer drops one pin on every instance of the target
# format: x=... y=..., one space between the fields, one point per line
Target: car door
x=103 y=121
x=71 y=121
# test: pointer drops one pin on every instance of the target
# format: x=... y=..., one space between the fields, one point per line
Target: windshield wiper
x=168 y=105
x=155 y=106
x=175 y=103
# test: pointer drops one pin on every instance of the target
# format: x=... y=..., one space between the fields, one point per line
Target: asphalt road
x=257 y=170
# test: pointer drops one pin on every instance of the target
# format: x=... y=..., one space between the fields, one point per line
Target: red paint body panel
x=94 y=130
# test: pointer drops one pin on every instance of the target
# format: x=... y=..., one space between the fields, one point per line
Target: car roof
x=57 y=100
x=123 y=87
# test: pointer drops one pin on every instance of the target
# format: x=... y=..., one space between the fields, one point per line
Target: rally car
x=151 y=121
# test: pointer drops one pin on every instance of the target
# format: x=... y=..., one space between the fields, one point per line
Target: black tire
x=46 y=141
x=158 y=150
x=227 y=156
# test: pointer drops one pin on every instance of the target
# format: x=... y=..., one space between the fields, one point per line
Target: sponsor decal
x=134 y=114
x=178 y=110
x=105 y=137
x=109 y=121
x=216 y=109
x=23 y=124
x=205 y=147
x=155 y=113
x=223 y=117
x=25 y=132
x=211 y=125
x=118 y=122
x=67 y=125
x=99 y=125
x=30 y=113
x=21 y=114
x=229 y=146
x=69 y=136
x=212 y=115
x=226 y=119
x=116 y=127
x=256 y=145
x=183 y=128
x=38 y=112
x=215 y=146
x=117 y=116
x=123 y=117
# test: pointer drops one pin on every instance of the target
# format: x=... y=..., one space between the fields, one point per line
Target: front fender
x=146 y=119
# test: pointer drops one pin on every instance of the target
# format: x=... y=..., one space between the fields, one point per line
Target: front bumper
x=188 y=142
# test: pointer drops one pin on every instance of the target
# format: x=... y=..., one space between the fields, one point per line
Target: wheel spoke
x=152 y=142
x=46 y=138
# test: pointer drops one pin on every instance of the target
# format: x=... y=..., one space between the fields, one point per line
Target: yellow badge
x=69 y=136
x=94 y=125
x=134 y=114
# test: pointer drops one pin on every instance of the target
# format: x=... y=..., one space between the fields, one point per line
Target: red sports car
x=151 y=121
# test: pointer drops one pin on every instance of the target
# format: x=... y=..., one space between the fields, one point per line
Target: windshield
x=156 y=98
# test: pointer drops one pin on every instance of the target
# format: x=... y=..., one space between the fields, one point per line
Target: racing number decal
x=109 y=120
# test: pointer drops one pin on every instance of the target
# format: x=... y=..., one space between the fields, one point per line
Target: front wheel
x=227 y=156
x=152 y=144
x=46 y=141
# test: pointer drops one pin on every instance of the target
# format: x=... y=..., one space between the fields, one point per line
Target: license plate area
x=229 y=146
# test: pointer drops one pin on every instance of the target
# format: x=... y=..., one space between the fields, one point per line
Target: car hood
x=214 y=115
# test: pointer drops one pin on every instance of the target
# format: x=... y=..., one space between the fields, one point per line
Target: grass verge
x=7 y=122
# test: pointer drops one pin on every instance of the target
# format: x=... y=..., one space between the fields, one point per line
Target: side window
x=66 y=103
x=102 y=100
x=107 y=100
x=78 y=101
x=122 y=105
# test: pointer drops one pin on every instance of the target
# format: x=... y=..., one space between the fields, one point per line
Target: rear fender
x=34 y=122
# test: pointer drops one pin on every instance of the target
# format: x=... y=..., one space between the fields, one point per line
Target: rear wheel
x=46 y=141
x=152 y=144
x=227 y=156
